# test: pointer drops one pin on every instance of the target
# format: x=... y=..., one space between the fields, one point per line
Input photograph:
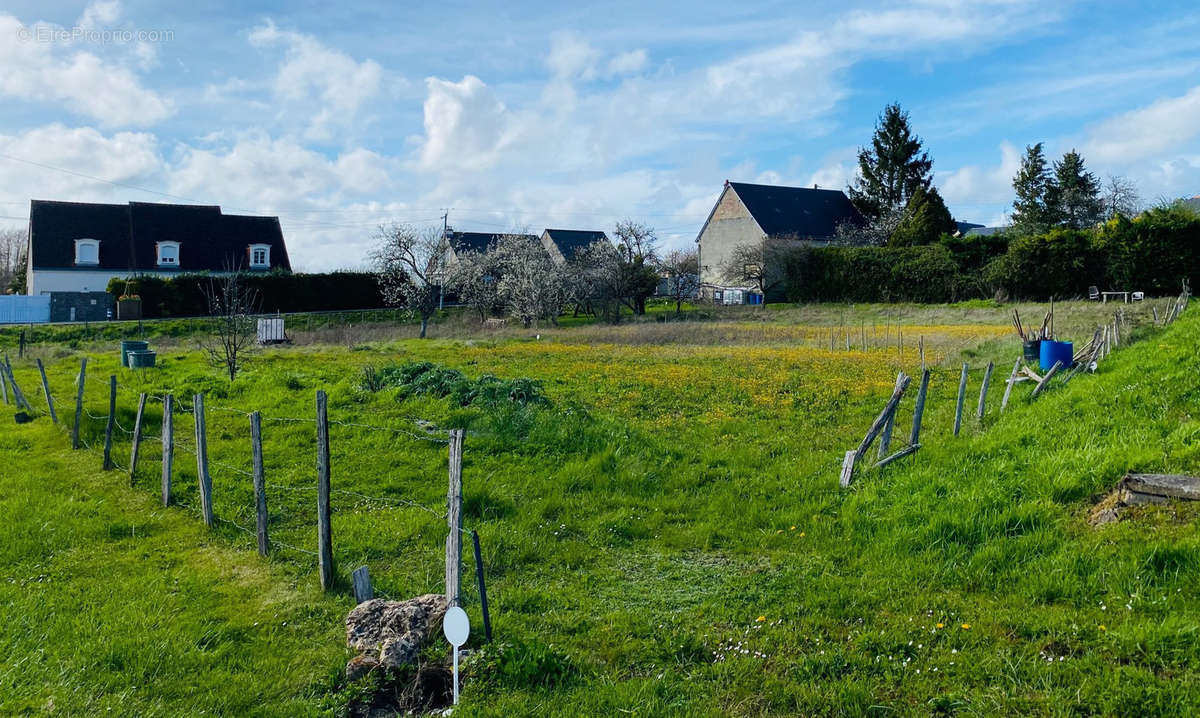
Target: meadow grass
x=666 y=537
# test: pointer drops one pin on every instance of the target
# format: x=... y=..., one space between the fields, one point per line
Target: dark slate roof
x=477 y=241
x=964 y=227
x=801 y=211
x=1193 y=202
x=570 y=241
x=209 y=240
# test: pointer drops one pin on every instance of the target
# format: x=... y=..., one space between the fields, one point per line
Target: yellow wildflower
x=966 y=626
x=760 y=619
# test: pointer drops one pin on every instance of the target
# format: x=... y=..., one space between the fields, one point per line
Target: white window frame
x=94 y=245
x=266 y=250
x=160 y=246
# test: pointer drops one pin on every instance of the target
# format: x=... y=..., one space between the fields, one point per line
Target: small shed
x=271 y=331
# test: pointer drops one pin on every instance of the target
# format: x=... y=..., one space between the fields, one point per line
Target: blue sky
x=527 y=115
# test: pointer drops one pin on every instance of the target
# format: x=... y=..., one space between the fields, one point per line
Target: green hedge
x=183 y=295
x=1151 y=253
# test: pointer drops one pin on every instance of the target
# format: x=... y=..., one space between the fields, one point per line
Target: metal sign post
x=456 y=627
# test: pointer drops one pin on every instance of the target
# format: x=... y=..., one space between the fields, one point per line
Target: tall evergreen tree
x=1073 y=199
x=892 y=169
x=926 y=218
x=1030 y=212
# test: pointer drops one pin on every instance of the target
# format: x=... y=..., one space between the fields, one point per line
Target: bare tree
x=1120 y=197
x=599 y=280
x=635 y=239
x=234 y=336
x=638 y=248
x=475 y=279
x=412 y=268
x=681 y=269
x=13 y=245
x=529 y=284
x=758 y=264
x=874 y=233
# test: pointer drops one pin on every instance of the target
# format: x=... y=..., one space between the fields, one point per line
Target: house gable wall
x=729 y=225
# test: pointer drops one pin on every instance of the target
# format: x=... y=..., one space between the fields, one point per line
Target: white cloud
x=571 y=57
x=126 y=157
x=1147 y=132
x=99 y=14
x=41 y=71
x=973 y=185
x=627 y=63
x=327 y=82
x=466 y=126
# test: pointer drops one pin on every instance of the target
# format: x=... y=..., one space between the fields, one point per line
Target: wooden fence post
x=260 y=488
x=79 y=403
x=454 y=519
x=915 y=438
x=112 y=419
x=202 y=475
x=483 y=602
x=1012 y=379
x=21 y=346
x=852 y=456
x=363 y=591
x=168 y=447
x=987 y=378
x=324 y=529
x=46 y=391
x=885 y=439
x=137 y=437
x=18 y=395
x=1046 y=379
x=962 y=393
x=4 y=384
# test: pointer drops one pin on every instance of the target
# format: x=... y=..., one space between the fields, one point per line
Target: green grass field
x=664 y=536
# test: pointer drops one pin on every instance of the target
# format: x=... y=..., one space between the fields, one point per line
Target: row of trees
x=516 y=276
x=1066 y=194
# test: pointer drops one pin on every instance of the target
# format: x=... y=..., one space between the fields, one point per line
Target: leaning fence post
x=168 y=447
x=962 y=393
x=454 y=519
x=112 y=419
x=137 y=437
x=18 y=395
x=260 y=489
x=363 y=591
x=1046 y=379
x=915 y=438
x=1012 y=379
x=853 y=455
x=885 y=439
x=46 y=391
x=4 y=385
x=987 y=378
x=79 y=403
x=202 y=475
x=483 y=603
x=324 y=530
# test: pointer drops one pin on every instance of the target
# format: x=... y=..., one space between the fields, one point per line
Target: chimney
x=726 y=183
x=816 y=186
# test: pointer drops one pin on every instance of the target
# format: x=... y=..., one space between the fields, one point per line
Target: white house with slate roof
x=749 y=213
x=79 y=247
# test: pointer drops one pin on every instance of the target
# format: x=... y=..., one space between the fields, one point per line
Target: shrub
x=183 y=295
x=520 y=664
x=924 y=273
x=428 y=379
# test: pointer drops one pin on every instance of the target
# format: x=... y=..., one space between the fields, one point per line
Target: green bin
x=131 y=345
x=141 y=359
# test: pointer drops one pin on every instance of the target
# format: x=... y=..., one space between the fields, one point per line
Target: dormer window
x=168 y=254
x=87 y=252
x=260 y=256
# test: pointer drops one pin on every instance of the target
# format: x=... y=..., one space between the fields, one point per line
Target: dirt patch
x=426 y=689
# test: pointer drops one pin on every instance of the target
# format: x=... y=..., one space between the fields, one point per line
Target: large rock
x=392 y=632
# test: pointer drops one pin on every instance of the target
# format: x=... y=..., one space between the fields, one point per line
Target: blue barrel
x=1056 y=352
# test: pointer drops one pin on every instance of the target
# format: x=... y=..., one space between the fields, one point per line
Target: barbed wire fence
x=250 y=504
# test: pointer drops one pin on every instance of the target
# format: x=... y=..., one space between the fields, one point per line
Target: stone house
x=753 y=214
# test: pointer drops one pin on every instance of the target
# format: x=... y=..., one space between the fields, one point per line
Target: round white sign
x=456 y=626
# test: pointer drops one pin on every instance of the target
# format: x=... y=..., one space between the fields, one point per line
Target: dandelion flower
x=760 y=619
x=966 y=626
x=941 y=625
x=1102 y=628
x=793 y=528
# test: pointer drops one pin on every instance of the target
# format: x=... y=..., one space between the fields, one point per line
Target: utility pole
x=442 y=259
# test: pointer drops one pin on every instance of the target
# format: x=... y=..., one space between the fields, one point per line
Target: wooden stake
x=79 y=403
x=324 y=528
x=168 y=447
x=483 y=602
x=363 y=591
x=1041 y=384
x=202 y=475
x=4 y=384
x=987 y=378
x=46 y=391
x=137 y=437
x=885 y=439
x=915 y=438
x=260 y=488
x=454 y=520
x=962 y=393
x=852 y=456
x=847 y=468
x=112 y=419
x=18 y=395
x=1012 y=379
x=906 y=451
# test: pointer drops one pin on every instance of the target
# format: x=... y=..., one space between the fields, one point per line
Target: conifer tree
x=892 y=169
x=926 y=218
x=1030 y=212
x=1073 y=198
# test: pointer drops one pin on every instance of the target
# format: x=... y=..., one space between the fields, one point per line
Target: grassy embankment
x=677 y=489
